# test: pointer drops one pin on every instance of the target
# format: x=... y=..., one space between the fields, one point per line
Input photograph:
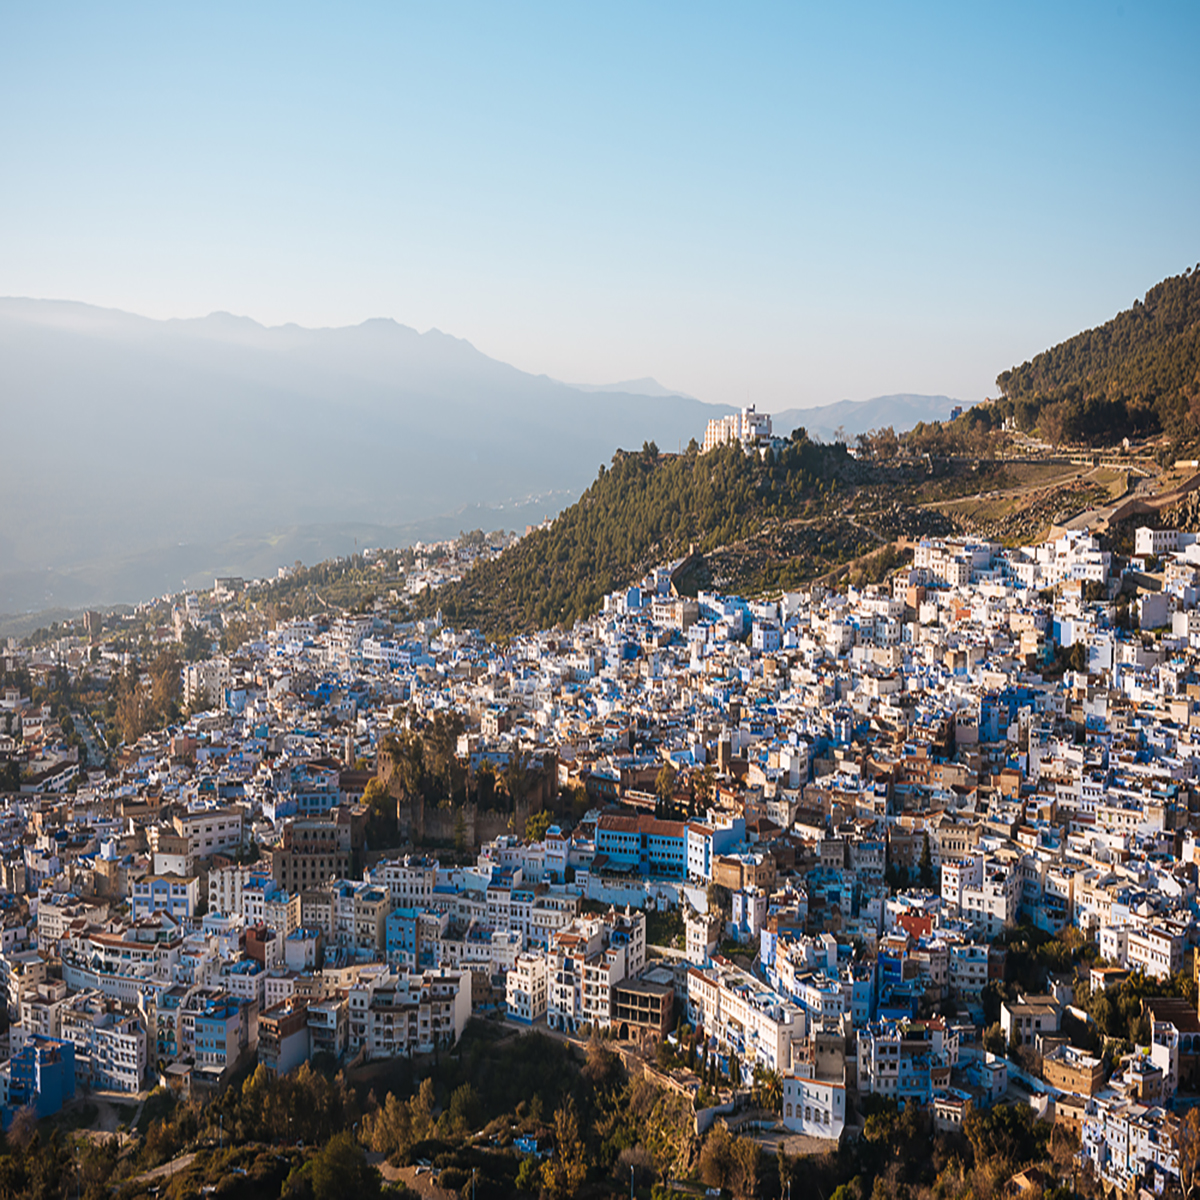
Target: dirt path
x=176 y=1164
x=422 y=1182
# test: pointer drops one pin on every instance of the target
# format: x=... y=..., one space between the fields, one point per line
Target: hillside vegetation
x=644 y=509
x=1134 y=376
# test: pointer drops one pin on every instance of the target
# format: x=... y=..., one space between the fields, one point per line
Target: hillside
x=645 y=509
x=1136 y=375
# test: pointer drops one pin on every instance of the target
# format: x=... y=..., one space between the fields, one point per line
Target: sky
x=784 y=205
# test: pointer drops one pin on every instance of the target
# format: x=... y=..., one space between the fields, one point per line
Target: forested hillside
x=1136 y=375
x=646 y=508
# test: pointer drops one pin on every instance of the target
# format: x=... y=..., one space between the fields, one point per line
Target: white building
x=815 y=1107
x=211 y=831
x=586 y=961
x=525 y=988
x=1127 y=1142
x=746 y=427
x=758 y=1024
x=205 y=682
x=399 y=1014
x=109 y=1040
x=1154 y=950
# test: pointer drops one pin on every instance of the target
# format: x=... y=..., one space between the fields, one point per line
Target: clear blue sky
x=787 y=205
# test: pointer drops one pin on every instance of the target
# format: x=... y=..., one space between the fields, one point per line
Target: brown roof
x=1180 y=1013
x=643 y=824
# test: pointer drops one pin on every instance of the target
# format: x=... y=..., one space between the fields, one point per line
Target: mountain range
x=633 y=387
x=148 y=455
x=851 y=417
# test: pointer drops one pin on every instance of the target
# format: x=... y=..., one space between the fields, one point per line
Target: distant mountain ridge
x=902 y=412
x=131 y=437
x=632 y=387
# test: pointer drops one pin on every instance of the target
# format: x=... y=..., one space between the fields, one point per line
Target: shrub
x=453 y=1178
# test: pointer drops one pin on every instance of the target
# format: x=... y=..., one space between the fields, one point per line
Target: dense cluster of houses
x=837 y=802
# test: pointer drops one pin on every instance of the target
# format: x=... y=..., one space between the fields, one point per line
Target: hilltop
x=646 y=508
x=751 y=522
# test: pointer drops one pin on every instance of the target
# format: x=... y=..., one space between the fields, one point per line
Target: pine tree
x=926 y=865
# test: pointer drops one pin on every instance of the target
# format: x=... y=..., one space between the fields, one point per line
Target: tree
x=388 y=1130
x=993 y=1039
x=992 y=997
x=340 y=1169
x=719 y=899
x=925 y=867
x=1076 y=657
x=664 y=783
x=716 y=1157
x=1187 y=1145
x=376 y=795
x=744 y=1168
x=23 y=1128
x=565 y=1172
x=420 y=1109
x=784 y=1168
x=666 y=1125
x=529 y=1175
x=485 y=784
x=1006 y=1134
x=197 y=642
x=536 y=826
x=770 y=1088
x=884 y=442
x=602 y=1068
x=132 y=714
x=518 y=777
x=463 y=1113
x=381 y=814
x=441 y=742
